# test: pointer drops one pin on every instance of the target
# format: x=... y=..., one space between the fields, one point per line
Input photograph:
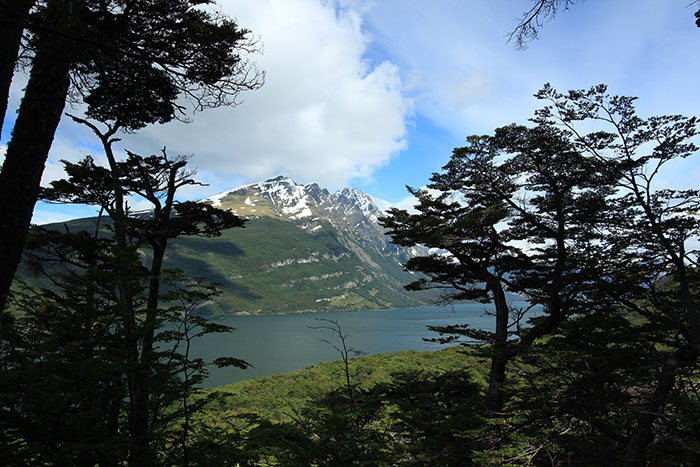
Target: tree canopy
x=110 y=334
x=132 y=63
x=574 y=221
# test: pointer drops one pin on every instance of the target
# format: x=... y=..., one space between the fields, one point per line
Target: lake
x=281 y=343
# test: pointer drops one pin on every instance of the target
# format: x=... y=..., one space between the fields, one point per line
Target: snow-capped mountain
x=290 y=200
x=310 y=207
x=302 y=249
x=330 y=245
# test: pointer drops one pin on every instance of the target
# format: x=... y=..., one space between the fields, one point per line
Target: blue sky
x=375 y=94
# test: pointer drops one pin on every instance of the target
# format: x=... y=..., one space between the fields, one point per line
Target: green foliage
x=273 y=396
x=572 y=220
x=97 y=368
x=108 y=343
x=513 y=212
x=437 y=417
x=62 y=369
x=131 y=62
x=307 y=417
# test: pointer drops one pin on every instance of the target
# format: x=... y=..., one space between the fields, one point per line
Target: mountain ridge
x=296 y=200
x=362 y=263
x=303 y=249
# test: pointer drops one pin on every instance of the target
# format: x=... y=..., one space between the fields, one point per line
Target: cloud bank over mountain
x=325 y=112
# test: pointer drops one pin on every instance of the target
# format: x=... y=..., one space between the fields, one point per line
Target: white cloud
x=325 y=113
x=345 y=78
x=467 y=79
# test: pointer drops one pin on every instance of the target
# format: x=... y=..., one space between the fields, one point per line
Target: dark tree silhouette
x=107 y=286
x=574 y=221
x=651 y=237
x=129 y=62
x=531 y=21
x=156 y=180
x=514 y=213
x=13 y=15
x=542 y=11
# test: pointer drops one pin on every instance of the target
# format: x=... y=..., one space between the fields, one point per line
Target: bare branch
x=532 y=20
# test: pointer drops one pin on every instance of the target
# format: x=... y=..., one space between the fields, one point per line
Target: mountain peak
x=354 y=198
x=283 y=179
x=281 y=196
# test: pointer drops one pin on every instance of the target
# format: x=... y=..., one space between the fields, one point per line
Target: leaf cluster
x=132 y=60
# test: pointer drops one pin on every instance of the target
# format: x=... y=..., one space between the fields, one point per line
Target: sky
x=376 y=94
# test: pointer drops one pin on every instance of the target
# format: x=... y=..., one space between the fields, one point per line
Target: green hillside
x=272 y=266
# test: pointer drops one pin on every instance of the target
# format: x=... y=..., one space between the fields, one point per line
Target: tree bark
x=643 y=434
x=28 y=149
x=500 y=355
x=13 y=16
x=137 y=379
x=139 y=364
x=143 y=376
x=159 y=244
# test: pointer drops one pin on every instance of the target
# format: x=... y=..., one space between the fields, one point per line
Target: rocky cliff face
x=349 y=211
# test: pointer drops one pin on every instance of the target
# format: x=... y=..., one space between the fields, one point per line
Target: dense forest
x=567 y=211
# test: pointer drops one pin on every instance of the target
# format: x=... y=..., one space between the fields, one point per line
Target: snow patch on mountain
x=349 y=211
x=295 y=201
x=356 y=199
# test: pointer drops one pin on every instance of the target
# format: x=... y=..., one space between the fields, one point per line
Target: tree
x=435 y=417
x=156 y=180
x=13 y=14
x=473 y=266
x=63 y=360
x=532 y=20
x=514 y=213
x=574 y=222
x=647 y=262
x=343 y=426
x=185 y=296
x=581 y=392
x=104 y=277
x=130 y=62
x=542 y=11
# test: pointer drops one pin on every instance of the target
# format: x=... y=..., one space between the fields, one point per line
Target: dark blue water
x=281 y=343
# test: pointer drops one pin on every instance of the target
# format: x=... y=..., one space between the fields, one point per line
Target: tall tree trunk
x=159 y=244
x=643 y=434
x=13 y=16
x=138 y=373
x=28 y=149
x=143 y=375
x=500 y=355
x=140 y=453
